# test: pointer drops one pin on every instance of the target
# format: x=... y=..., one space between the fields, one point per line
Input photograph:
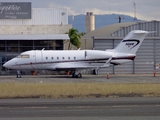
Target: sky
x=145 y=9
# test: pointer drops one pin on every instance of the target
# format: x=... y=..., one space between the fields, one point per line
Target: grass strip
x=76 y=90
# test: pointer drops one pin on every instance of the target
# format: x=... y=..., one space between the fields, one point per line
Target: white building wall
x=41 y=16
x=35 y=29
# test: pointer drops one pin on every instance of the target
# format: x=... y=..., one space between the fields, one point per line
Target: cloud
x=145 y=9
x=54 y=5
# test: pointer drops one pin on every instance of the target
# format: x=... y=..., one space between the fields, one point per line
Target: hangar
x=148 y=55
x=26 y=28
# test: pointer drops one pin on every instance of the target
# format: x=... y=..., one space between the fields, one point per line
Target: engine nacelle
x=96 y=54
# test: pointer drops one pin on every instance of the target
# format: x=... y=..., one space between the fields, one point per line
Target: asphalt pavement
x=97 y=108
x=142 y=78
x=128 y=108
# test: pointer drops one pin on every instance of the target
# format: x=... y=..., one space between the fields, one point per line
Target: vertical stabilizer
x=131 y=42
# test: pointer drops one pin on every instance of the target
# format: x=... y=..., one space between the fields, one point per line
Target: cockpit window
x=23 y=56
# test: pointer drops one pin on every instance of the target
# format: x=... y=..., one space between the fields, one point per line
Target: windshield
x=22 y=56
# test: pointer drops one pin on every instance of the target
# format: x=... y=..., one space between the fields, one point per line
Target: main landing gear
x=76 y=74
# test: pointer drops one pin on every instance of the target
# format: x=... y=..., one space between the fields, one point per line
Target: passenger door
x=38 y=59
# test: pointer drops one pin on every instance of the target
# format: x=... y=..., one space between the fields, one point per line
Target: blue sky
x=145 y=9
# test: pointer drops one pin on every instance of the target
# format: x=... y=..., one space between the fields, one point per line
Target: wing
x=74 y=66
x=70 y=66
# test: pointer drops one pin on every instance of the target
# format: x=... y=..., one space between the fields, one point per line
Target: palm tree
x=74 y=38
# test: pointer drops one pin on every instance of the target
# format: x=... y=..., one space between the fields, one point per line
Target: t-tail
x=131 y=42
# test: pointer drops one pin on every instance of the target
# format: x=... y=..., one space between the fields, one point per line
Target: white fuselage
x=51 y=60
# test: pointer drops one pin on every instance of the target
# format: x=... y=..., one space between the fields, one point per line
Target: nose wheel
x=18 y=74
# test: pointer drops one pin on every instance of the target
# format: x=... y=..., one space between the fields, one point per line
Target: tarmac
x=118 y=78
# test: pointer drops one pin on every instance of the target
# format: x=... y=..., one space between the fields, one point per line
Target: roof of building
x=35 y=37
x=107 y=30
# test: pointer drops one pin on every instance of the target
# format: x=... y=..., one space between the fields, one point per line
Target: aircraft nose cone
x=5 y=65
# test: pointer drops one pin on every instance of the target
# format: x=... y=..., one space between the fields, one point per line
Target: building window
x=59 y=44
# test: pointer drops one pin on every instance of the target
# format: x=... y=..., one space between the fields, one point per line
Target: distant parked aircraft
x=77 y=60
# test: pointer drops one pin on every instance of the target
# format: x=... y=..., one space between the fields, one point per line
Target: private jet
x=78 y=60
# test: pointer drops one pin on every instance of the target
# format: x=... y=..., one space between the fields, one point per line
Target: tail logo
x=131 y=43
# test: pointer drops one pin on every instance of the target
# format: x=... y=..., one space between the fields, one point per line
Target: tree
x=75 y=37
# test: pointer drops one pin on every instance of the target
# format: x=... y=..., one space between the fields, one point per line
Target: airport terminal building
x=25 y=28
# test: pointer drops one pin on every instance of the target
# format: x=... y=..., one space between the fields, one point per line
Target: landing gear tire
x=76 y=75
x=79 y=75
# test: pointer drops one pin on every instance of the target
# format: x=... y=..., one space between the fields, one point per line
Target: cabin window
x=57 y=58
x=63 y=58
x=46 y=58
x=52 y=58
x=23 y=56
x=74 y=58
x=68 y=58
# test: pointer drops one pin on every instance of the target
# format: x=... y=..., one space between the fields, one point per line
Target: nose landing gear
x=18 y=74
